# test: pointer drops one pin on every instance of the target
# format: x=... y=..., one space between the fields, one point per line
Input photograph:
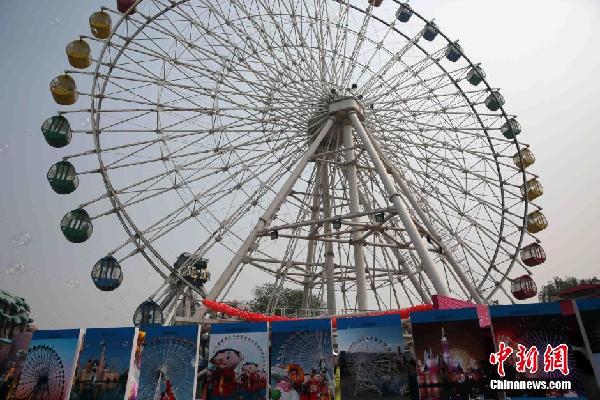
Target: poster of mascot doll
x=302 y=360
x=238 y=362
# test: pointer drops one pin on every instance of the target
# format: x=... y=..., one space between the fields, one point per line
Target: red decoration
x=257 y=317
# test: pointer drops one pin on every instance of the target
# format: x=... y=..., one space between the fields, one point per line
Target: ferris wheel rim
x=154 y=256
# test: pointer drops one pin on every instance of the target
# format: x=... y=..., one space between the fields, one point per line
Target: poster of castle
x=451 y=353
x=301 y=360
x=373 y=361
x=541 y=325
x=238 y=362
x=104 y=364
x=48 y=369
x=169 y=362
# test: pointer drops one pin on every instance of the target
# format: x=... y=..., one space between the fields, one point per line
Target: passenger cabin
x=533 y=254
x=523 y=288
x=76 y=226
x=107 y=274
x=62 y=177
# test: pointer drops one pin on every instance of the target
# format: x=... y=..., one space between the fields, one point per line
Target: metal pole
x=220 y=284
x=407 y=221
x=401 y=260
x=310 y=252
x=328 y=246
x=359 y=256
x=427 y=222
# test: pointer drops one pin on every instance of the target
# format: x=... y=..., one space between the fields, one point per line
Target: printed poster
x=104 y=364
x=539 y=325
x=12 y=356
x=49 y=366
x=452 y=353
x=301 y=359
x=588 y=315
x=136 y=363
x=238 y=362
x=169 y=360
x=373 y=360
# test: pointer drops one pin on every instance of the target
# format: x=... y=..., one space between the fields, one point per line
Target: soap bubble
x=3 y=148
x=73 y=283
x=21 y=239
x=15 y=268
x=55 y=21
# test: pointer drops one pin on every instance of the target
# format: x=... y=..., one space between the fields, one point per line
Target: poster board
x=373 y=360
x=301 y=352
x=12 y=356
x=238 y=362
x=538 y=325
x=169 y=361
x=451 y=353
x=103 y=364
x=49 y=366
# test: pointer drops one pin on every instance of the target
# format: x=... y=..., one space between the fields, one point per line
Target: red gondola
x=523 y=288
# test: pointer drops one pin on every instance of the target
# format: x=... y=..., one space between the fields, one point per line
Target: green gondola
x=57 y=131
x=63 y=178
x=77 y=226
x=476 y=75
x=511 y=128
x=494 y=101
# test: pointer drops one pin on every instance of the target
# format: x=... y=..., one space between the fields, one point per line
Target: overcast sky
x=542 y=54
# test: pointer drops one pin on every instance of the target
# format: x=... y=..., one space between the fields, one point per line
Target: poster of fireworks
x=373 y=360
x=588 y=314
x=169 y=358
x=104 y=363
x=452 y=353
x=539 y=325
x=238 y=362
x=49 y=366
x=301 y=360
x=12 y=356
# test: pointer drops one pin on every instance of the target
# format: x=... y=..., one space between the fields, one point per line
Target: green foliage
x=551 y=289
x=283 y=298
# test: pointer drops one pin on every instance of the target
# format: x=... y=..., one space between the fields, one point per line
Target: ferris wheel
x=346 y=147
x=42 y=376
x=370 y=360
x=167 y=359
x=311 y=350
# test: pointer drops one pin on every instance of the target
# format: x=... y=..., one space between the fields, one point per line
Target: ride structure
x=332 y=146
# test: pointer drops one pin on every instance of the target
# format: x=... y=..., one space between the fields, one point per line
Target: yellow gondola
x=100 y=24
x=79 y=53
x=64 y=90
x=527 y=158
x=536 y=222
x=534 y=189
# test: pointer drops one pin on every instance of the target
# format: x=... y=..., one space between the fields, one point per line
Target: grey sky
x=542 y=54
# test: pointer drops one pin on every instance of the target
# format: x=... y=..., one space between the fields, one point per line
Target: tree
x=290 y=300
x=551 y=289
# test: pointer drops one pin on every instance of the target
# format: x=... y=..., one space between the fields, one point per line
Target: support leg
x=408 y=223
x=359 y=257
x=427 y=222
x=220 y=284
x=329 y=275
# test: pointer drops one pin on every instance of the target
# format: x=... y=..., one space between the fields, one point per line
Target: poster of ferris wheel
x=373 y=359
x=301 y=359
x=49 y=366
x=169 y=362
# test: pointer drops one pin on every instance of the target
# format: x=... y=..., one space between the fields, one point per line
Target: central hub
x=341 y=108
